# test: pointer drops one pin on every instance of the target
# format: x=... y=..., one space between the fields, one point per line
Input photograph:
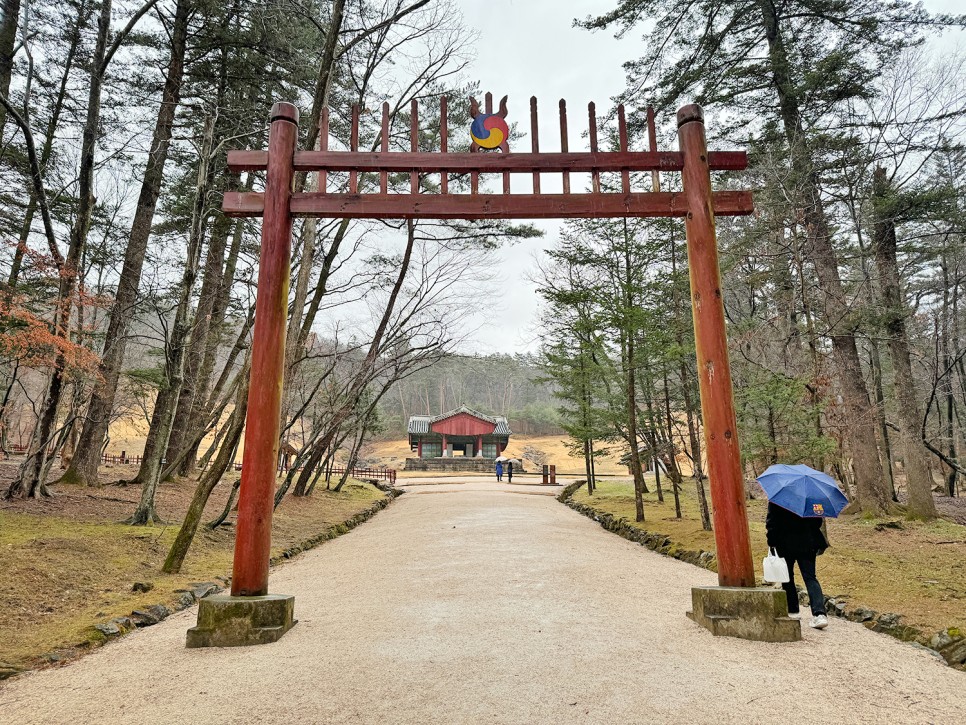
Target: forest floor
x=911 y=568
x=68 y=563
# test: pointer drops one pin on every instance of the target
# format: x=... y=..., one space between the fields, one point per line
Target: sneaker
x=819 y=622
x=795 y=615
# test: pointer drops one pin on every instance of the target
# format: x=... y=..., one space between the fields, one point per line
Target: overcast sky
x=530 y=48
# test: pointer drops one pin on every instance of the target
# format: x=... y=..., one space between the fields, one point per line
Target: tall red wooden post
x=731 y=537
x=256 y=498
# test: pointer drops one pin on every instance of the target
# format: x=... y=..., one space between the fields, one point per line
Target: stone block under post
x=756 y=613
x=230 y=621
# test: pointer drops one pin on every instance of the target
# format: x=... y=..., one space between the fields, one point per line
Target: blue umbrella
x=803 y=490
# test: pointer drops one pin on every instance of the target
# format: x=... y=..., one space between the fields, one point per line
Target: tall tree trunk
x=946 y=384
x=630 y=380
x=873 y=495
x=9 y=20
x=191 y=415
x=83 y=468
x=31 y=479
x=918 y=483
x=208 y=481
x=671 y=463
x=79 y=25
x=652 y=435
x=689 y=412
x=194 y=387
x=149 y=474
x=875 y=364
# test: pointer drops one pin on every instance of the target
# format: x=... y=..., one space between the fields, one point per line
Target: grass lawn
x=918 y=571
x=68 y=564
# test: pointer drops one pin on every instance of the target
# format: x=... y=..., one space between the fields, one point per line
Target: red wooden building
x=460 y=432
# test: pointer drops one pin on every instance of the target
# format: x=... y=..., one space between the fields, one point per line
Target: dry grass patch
x=918 y=571
x=67 y=563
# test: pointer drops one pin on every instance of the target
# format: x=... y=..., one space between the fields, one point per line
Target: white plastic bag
x=776 y=570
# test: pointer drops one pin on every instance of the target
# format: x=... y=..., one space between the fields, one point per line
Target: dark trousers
x=806 y=565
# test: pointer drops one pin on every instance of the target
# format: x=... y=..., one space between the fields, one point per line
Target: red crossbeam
x=487 y=206
x=434 y=163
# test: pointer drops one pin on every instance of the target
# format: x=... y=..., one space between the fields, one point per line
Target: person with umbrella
x=799 y=498
x=499 y=469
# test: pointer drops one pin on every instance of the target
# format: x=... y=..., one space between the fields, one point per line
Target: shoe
x=819 y=622
x=795 y=615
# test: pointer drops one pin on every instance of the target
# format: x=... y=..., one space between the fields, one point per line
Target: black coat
x=793 y=534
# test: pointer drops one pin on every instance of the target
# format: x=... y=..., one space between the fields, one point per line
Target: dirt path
x=465 y=602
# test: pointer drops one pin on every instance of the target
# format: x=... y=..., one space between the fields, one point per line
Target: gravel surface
x=470 y=602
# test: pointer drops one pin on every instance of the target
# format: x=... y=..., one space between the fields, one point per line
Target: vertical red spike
x=384 y=176
x=592 y=121
x=652 y=146
x=622 y=136
x=444 y=141
x=354 y=146
x=564 y=145
x=414 y=142
x=489 y=103
x=323 y=145
x=534 y=140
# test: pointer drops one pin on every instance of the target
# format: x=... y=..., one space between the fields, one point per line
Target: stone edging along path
x=948 y=644
x=139 y=618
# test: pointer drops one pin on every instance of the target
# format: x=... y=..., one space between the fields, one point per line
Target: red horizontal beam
x=434 y=163
x=488 y=206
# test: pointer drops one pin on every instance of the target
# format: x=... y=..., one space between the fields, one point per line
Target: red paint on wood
x=592 y=127
x=564 y=143
x=383 y=175
x=253 y=537
x=463 y=424
x=354 y=147
x=731 y=536
x=323 y=146
x=433 y=163
x=489 y=206
x=652 y=147
x=622 y=137
x=534 y=140
x=414 y=143
x=444 y=141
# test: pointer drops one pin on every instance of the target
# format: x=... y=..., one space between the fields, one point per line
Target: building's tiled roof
x=419 y=424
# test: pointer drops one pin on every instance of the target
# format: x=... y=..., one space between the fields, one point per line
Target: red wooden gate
x=278 y=204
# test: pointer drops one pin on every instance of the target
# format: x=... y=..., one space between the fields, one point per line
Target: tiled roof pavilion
x=462 y=431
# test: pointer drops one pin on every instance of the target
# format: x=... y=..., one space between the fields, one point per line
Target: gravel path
x=468 y=603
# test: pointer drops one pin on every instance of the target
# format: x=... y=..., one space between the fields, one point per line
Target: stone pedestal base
x=749 y=613
x=227 y=621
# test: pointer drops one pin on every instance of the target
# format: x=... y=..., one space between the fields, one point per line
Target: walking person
x=509 y=471
x=799 y=540
x=499 y=471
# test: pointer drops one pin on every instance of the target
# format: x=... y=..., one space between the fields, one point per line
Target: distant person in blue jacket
x=499 y=470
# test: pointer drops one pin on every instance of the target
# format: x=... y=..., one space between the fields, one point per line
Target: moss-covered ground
x=67 y=563
x=918 y=570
